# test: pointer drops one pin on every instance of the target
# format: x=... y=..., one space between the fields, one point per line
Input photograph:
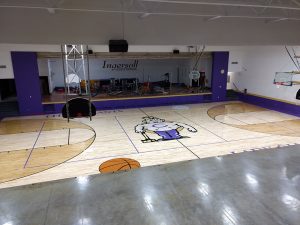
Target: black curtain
x=78 y=107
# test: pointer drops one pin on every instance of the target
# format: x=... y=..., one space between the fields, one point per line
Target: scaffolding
x=76 y=72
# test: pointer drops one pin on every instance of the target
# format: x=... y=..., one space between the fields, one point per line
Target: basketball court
x=50 y=148
x=183 y=111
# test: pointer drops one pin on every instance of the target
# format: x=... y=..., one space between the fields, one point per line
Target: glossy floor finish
x=33 y=149
x=28 y=144
x=252 y=188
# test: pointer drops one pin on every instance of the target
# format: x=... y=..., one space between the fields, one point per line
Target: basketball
x=118 y=164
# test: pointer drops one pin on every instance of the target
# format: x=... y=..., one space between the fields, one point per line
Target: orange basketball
x=118 y=164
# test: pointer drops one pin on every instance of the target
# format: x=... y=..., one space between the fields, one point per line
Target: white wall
x=255 y=69
x=43 y=67
x=5 y=56
x=259 y=66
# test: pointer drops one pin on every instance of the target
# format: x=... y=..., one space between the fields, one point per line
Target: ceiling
x=217 y=22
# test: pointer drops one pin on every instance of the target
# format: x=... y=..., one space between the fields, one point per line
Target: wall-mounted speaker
x=118 y=46
x=90 y=51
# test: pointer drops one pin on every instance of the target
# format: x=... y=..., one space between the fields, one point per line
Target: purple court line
x=127 y=134
x=200 y=125
x=34 y=145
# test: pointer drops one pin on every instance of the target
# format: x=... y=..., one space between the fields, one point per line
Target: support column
x=27 y=83
x=219 y=75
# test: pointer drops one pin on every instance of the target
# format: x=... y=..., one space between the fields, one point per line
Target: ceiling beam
x=213 y=18
x=277 y=20
x=223 y=4
x=296 y=2
x=140 y=12
x=144 y=15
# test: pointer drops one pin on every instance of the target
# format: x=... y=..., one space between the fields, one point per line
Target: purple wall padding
x=271 y=104
x=219 y=80
x=136 y=103
x=27 y=82
x=30 y=99
x=148 y=102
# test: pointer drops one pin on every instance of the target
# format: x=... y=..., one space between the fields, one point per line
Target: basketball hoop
x=283 y=79
x=278 y=84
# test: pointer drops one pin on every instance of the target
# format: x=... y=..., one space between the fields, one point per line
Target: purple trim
x=271 y=104
x=137 y=103
x=219 y=80
x=27 y=82
x=149 y=102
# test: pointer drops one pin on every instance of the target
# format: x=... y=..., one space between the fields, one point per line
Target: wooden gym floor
x=43 y=148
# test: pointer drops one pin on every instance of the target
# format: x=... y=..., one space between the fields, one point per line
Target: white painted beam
x=277 y=20
x=213 y=18
x=146 y=13
x=223 y=4
x=296 y=2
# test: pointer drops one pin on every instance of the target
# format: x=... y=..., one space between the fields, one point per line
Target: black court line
x=143 y=112
x=158 y=150
x=188 y=149
x=237 y=120
x=69 y=132
x=277 y=122
x=265 y=121
x=127 y=163
x=127 y=135
x=178 y=140
x=200 y=126
x=34 y=145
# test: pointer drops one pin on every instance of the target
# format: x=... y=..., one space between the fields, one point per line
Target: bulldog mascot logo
x=166 y=130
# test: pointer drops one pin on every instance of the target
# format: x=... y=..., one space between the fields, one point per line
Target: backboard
x=283 y=78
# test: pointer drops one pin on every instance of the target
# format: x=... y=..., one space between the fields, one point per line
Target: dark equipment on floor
x=298 y=95
x=78 y=107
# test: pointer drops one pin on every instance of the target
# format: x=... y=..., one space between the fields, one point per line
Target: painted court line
x=282 y=126
x=188 y=149
x=111 y=156
x=126 y=134
x=34 y=145
x=143 y=112
x=69 y=133
x=199 y=125
x=238 y=120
